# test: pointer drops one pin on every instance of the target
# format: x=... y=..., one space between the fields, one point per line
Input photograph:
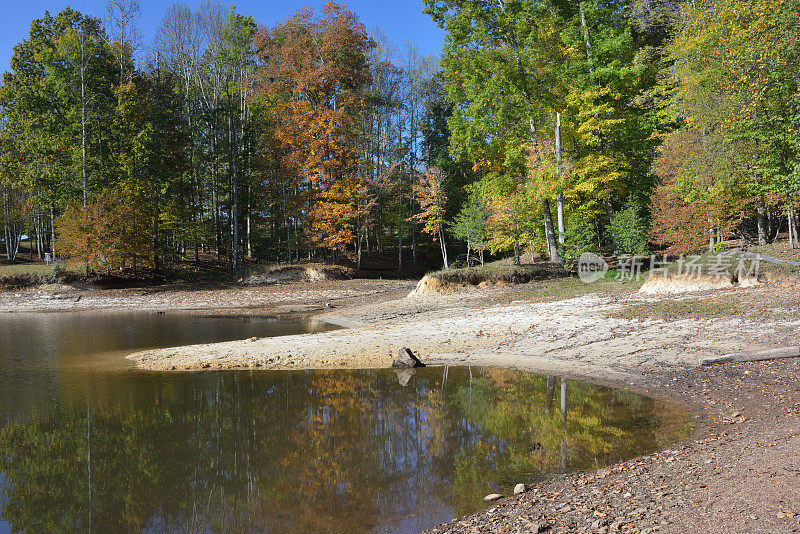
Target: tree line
x=224 y=138
x=546 y=127
x=642 y=123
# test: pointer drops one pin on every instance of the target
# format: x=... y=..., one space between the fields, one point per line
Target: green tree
x=501 y=65
x=471 y=223
x=630 y=229
x=733 y=91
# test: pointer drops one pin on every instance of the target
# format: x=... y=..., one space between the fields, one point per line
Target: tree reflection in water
x=322 y=451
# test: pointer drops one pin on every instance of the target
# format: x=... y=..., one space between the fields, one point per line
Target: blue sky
x=401 y=20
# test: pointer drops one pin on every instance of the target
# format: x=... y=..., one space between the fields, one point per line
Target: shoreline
x=747 y=414
x=582 y=336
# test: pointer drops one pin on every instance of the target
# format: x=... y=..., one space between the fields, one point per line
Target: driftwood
x=768 y=259
x=753 y=356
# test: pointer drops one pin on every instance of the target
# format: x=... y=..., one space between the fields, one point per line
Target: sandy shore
x=740 y=473
x=577 y=336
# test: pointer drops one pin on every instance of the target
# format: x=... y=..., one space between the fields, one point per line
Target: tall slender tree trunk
x=762 y=225
x=52 y=233
x=249 y=229
x=774 y=226
x=156 y=206
x=84 y=175
x=586 y=39
x=560 y=196
x=234 y=153
x=444 y=248
x=39 y=232
x=711 y=240
x=413 y=246
x=550 y=233
x=288 y=229
x=399 y=253
x=156 y=230
x=359 y=246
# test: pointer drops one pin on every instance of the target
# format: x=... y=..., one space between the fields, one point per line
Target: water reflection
x=309 y=451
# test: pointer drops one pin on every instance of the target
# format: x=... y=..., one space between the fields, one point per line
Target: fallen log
x=753 y=356
x=768 y=259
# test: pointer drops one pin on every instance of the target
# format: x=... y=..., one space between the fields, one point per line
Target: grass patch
x=266 y=269
x=25 y=275
x=753 y=307
x=500 y=271
x=682 y=309
x=33 y=269
x=566 y=288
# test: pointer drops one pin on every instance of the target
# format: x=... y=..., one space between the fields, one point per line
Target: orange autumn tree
x=313 y=73
x=110 y=232
x=432 y=195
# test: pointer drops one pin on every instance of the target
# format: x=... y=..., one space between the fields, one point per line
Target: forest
x=545 y=128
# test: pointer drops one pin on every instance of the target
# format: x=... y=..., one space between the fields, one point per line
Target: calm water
x=87 y=443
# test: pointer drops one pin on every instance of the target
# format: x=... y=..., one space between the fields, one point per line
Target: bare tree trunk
x=399 y=253
x=12 y=229
x=711 y=241
x=774 y=226
x=39 y=231
x=83 y=132
x=234 y=153
x=52 y=233
x=560 y=197
x=156 y=204
x=249 y=244
x=288 y=229
x=360 y=245
x=156 y=259
x=762 y=226
x=550 y=233
x=444 y=248
x=586 y=39
x=413 y=245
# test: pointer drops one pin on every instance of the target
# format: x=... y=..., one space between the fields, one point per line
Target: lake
x=89 y=443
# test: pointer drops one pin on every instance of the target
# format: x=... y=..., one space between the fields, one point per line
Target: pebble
x=492 y=497
x=520 y=488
